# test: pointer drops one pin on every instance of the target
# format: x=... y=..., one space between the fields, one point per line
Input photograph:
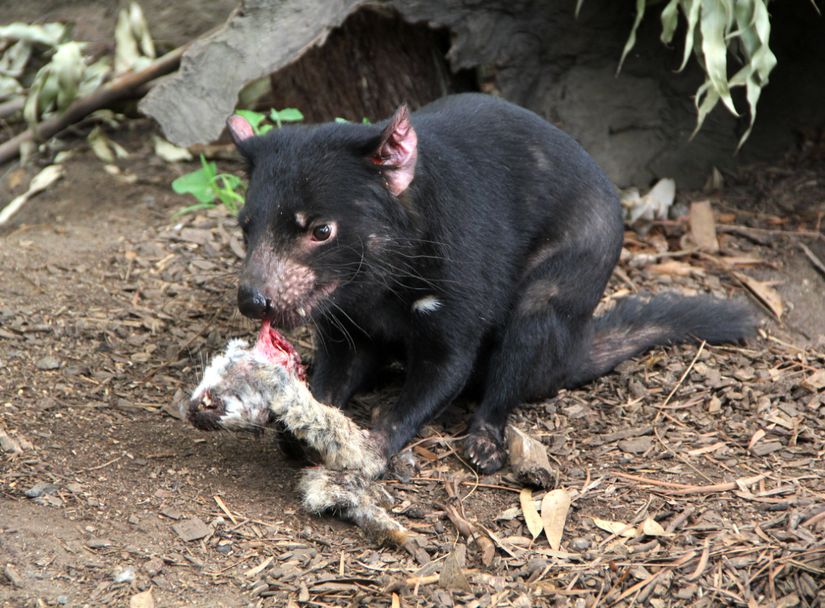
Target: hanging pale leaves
x=716 y=31
x=134 y=49
x=57 y=83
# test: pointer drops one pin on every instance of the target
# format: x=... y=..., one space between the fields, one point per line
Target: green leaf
x=340 y=120
x=288 y=115
x=198 y=183
x=670 y=19
x=715 y=23
x=264 y=129
x=691 y=10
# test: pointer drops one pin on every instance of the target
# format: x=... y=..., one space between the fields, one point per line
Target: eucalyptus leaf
x=14 y=59
x=631 y=39
x=670 y=19
x=9 y=87
x=714 y=24
x=47 y=34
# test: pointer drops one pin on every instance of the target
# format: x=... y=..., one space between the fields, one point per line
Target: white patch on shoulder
x=426 y=304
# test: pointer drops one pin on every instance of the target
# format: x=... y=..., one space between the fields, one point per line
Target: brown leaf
x=554 y=508
x=142 y=600
x=764 y=292
x=651 y=527
x=531 y=515
x=616 y=527
x=755 y=438
x=452 y=576
x=703 y=226
x=488 y=550
x=677 y=268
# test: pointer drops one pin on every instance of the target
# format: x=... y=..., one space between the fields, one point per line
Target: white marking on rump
x=426 y=304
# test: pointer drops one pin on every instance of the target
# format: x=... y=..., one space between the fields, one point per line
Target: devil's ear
x=397 y=151
x=239 y=128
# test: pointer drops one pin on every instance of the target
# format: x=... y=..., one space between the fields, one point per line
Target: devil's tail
x=635 y=324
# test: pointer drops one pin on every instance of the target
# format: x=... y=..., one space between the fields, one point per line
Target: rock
x=98 y=543
x=12 y=576
x=580 y=543
x=9 y=444
x=153 y=566
x=815 y=382
x=192 y=529
x=639 y=445
x=48 y=363
x=40 y=489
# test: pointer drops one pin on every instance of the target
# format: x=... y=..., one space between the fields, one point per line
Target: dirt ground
x=109 y=307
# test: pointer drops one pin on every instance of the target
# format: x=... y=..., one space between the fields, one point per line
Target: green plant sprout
x=210 y=187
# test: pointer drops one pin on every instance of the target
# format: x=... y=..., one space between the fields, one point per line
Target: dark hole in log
x=366 y=68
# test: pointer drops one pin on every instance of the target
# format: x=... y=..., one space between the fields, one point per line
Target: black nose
x=253 y=304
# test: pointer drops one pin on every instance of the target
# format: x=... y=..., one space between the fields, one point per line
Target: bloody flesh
x=279 y=351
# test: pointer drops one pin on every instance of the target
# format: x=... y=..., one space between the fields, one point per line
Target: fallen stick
x=7 y=108
x=679 y=489
x=111 y=91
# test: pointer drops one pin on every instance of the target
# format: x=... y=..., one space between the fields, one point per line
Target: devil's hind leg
x=542 y=342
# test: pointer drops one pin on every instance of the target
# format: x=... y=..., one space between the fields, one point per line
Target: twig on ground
x=818 y=264
x=682 y=489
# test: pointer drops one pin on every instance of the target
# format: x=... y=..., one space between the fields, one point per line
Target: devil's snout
x=275 y=288
x=253 y=303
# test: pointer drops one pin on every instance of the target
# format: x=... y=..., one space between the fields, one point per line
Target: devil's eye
x=321 y=232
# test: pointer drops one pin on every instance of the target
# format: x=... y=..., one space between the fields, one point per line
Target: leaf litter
x=667 y=448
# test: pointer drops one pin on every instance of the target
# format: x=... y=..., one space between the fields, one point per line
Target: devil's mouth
x=301 y=314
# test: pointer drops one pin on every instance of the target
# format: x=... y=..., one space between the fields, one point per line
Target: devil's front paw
x=485 y=450
x=403 y=465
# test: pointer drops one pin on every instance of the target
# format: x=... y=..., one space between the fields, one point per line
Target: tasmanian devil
x=471 y=239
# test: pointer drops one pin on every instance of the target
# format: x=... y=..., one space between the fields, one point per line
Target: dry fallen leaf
x=815 y=382
x=554 y=508
x=764 y=291
x=39 y=182
x=616 y=527
x=675 y=267
x=755 y=438
x=703 y=226
x=531 y=515
x=396 y=602
x=143 y=599
x=650 y=527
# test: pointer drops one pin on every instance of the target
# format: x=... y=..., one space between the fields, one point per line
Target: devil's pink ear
x=398 y=151
x=239 y=128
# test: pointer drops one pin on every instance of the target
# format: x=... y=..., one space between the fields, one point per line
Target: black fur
x=508 y=223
